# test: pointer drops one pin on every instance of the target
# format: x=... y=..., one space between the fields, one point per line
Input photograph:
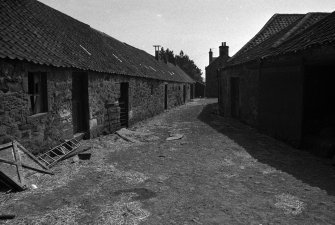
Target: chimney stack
x=210 y=56
x=157 y=47
x=224 y=50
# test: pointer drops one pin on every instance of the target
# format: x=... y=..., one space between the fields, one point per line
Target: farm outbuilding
x=281 y=81
x=60 y=77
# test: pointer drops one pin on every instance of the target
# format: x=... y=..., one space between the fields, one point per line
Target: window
x=37 y=90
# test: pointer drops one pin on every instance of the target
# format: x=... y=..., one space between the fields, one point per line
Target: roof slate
x=32 y=31
x=277 y=31
x=320 y=33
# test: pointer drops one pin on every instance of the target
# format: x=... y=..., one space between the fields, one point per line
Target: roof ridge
x=292 y=30
x=308 y=28
x=272 y=19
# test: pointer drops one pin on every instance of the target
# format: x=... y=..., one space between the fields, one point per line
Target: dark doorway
x=124 y=104
x=192 y=91
x=235 y=96
x=184 y=93
x=319 y=109
x=80 y=102
x=165 y=96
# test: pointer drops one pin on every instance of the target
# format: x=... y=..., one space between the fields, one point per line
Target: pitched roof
x=279 y=29
x=35 y=32
x=321 y=33
x=217 y=62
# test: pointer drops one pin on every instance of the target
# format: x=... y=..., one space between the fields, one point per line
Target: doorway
x=165 y=96
x=318 y=128
x=80 y=102
x=184 y=93
x=124 y=104
x=235 y=96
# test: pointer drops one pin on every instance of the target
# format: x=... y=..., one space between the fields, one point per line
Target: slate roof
x=321 y=33
x=35 y=32
x=276 y=32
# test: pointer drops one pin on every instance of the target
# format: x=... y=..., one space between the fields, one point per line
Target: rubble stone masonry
x=38 y=132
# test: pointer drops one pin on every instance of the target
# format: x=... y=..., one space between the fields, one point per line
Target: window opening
x=37 y=90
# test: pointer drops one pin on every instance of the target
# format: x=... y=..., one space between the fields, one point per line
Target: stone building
x=199 y=89
x=281 y=80
x=59 y=77
x=211 y=89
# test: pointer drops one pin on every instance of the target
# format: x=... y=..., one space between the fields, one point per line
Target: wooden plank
x=26 y=166
x=30 y=155
x=10 y=182
x=18 y=163
x=7 y=145
x=44 y=161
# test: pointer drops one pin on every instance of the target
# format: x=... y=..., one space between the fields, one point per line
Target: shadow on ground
x=316 y=172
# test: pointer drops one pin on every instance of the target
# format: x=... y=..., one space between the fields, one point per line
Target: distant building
x=282 y=80
x=215 y=63
x=199 y=89
x=59 y=77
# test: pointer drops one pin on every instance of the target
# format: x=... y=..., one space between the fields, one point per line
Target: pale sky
x=193 y=26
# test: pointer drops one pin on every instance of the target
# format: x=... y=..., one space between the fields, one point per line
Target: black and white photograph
x=177 y=112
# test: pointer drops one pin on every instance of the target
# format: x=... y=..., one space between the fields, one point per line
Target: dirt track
x=220 y=172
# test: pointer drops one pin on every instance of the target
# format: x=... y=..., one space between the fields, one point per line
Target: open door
x=165 y=96
x=184 y=93
x=124 y=104
x=235 y=96
x=80 y=102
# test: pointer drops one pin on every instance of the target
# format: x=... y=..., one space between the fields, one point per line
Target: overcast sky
x=193 y=26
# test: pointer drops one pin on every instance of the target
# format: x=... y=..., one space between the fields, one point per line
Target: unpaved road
x=220 y=172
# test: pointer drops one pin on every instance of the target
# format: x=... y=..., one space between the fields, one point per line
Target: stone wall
x=35 y=131
x=175 y=95
x=146 y=99
x=104 y=112
x=248 y=92
x=281 y=102
x=211 y=82
x=270 y=98
x=38 y=132
x=212 y=88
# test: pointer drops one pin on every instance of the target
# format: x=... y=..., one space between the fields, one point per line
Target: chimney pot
x=224 y=50
x=210 y=56
x=157 y=52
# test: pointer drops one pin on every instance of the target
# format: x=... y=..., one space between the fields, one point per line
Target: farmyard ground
x=220 y=172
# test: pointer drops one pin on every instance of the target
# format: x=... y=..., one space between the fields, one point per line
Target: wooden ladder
x=51 y=157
